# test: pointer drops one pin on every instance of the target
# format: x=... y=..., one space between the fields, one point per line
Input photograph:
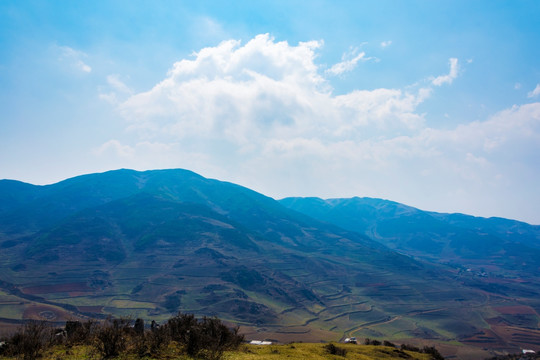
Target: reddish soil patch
x=497 y=321
x=504 y=281
x=278 y=336
x=502 y=337
x=525 y=338
x=90 y=309
x=484 y=338
x=515 y=310
x=44 y=312
x=58 y=288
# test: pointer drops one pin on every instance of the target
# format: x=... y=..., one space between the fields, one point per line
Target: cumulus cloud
x=264 y=114
x=535 y=92
x=386 y=43
x=262 y=90
x=74 y=58
x=449 y=78
x=264 y=96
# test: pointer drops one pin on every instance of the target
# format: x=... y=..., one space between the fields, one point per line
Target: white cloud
x=386 y=43
x=264 y=115
x=469 y=169
x=449 y=78
x=74 y=58
x=116 y=148
x=84 y=67
x=118 y=87
x=535 y=92
x=111 y=98
x=384 y=108
x=117 y=84
x=348 y=63
x=261 y=90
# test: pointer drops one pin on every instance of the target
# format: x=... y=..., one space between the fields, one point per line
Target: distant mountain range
x=148 y=244
x=503 y=246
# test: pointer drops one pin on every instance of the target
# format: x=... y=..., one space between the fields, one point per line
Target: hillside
x=497 y=245
x=148 y=244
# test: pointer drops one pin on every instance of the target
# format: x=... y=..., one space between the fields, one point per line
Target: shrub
x=179 y=327
x=409 y=347
x=367 y=341
x=139 y=327
x=152 y=343
x=206 y=338
x=111 y=337
x=435 y=354
x=388 y=343
x=209 y=338
x=30 y=340
x=80 y=332
x=335 y=350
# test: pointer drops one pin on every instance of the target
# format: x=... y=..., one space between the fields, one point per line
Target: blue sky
x=435 y=104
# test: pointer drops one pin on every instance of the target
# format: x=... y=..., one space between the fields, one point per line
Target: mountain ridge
x=426 y=234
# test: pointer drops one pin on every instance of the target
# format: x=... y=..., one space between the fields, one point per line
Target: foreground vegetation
x=294 y=351
x=181 y=337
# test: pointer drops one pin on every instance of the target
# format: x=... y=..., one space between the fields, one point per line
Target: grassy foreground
x=181 y=337
x=295 y=351
x=318 y=351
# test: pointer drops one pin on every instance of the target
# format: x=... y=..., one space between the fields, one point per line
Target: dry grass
x=300 y=351
x=296 y=351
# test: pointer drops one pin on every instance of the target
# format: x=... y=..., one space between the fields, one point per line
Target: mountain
x=498 y=245
x=152 y=243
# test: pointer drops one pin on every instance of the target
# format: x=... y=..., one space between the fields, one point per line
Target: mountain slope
x=500 y=244
x=152 y=243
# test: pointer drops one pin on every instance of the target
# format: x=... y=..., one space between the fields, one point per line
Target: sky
x=435 y=104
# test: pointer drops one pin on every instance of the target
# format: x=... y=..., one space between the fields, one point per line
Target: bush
x=388 y=343
x=435 y=354
x=209 y=338
x=179 y=327
x=432 y=351
x=367 y=341
x=334 y=350
x=111 y=337
x=80 y=332
x=409 y=347
x=206 y=338
x=30 y=340
x=152 y=343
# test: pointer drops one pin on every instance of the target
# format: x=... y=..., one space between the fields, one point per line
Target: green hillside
x=150 y=244
x=503 y=246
